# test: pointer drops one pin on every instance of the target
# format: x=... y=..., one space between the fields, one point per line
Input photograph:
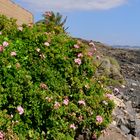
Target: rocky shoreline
x=126 y=116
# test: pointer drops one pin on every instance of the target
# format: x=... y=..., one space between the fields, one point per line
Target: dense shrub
x=47 y=87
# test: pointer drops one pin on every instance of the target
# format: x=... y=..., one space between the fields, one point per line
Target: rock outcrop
x=126 y=116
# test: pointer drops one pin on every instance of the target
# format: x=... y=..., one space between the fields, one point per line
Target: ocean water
x=126 y=47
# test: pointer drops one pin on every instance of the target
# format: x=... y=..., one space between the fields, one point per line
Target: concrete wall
x=10 y=9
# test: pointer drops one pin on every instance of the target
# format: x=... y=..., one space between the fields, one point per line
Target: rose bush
x=47 y=87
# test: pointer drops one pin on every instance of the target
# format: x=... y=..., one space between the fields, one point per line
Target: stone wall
x=12 y=10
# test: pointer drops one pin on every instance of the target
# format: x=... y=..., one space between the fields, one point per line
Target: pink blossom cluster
x=1 y=135
x=20 y=110
x=99 y=119
x=42 y=56
x=93 y=49
x=43 y=86
x=4 y=44
x=80 y=55
x=105 y=102
x=56 y=105
x=47 y=44
x=81 y=102
x=66 y=101
x=87 y=86
x=76 y=46
x=49 y=99
x=13 y=53
x=90 y=54
x=1 y=48
x=109 y=96
x=30 y=25
x=20 y=28
x=38 y=49
x=80 y=118
x=78 y=61
x=17 y=65
x=98 y=57
x=73 y=126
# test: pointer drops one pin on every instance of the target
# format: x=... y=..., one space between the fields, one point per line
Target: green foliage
x=8 y=26
x=109 y=67
x=58 y=97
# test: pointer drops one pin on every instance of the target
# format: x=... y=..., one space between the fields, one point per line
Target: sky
x=113 y=22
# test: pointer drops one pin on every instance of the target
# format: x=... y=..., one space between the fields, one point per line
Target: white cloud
x=68 y=5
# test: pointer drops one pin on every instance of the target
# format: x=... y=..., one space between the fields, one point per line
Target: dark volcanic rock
x=128 y=117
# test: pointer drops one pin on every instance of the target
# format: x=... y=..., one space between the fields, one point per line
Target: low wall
x=12 y=10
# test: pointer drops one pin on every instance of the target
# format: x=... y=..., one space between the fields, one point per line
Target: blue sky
x=114 y=22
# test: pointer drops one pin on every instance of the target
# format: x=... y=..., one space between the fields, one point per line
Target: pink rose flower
x=73 y=114
x=98 y=57
x=47 y=44
x=87 y=86
x=20 y=110
x=1 y=49
x=99 y=119
x=66 y=101
x=80 y=118
x=73 y=126
x=94 y=49
x=80 y=55
x=13 y=54
x=30 y=24
x=1 y=135
x=42 y=56
x=5 y=43
x=49 y=99
x=56 y=105
x=105 y=102
x=20 y=28
x=81 y=102
x=38 y=49
x=0 y=33
x=109 y=96
x=46 y=33
x=76 y=46
x=90 y=54
x=43 y=86
x=17 y=65
x=77 y=61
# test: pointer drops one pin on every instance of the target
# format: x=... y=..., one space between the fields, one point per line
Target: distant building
x=12 y=10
